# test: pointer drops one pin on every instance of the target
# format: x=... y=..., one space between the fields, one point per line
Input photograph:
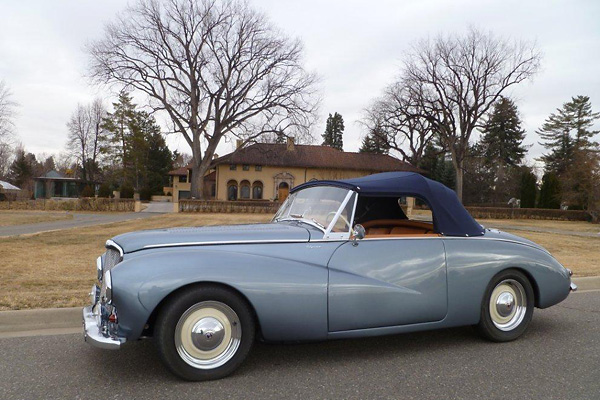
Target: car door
x=387 y=282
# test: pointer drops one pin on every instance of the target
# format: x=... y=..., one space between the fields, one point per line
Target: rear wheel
x=507 y=308
x=204 y=333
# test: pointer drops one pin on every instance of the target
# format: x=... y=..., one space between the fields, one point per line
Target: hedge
x=215 y=206
x=528 y=213
x=83 y=204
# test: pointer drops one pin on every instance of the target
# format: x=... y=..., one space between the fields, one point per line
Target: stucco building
x=266 y=171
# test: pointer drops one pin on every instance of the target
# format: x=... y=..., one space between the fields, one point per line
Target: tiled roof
x=308 y=156
x=182 y=171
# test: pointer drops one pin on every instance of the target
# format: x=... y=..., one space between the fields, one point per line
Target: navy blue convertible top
x=450 y=217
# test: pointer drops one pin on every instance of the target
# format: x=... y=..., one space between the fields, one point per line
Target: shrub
x=104 y=191
x=87 y=191
x=127 y=192
x=145 y=194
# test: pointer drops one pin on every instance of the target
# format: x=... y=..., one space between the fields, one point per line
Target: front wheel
x=204 y=333
x=507 y=307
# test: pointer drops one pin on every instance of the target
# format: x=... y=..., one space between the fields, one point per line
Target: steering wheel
x=331 y=215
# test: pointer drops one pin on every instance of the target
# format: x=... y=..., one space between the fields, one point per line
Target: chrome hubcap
x=208 y=335
x=508 y=305
x=505 y=304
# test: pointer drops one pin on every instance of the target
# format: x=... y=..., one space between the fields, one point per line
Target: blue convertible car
x=383 y=254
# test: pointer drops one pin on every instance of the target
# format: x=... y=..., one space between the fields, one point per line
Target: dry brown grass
x=57 y=269
x=11 y=218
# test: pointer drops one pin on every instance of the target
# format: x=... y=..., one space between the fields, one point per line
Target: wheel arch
x=149 y=327
x=532 y=281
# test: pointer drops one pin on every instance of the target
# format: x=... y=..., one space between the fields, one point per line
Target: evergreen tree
x=437 y=167
x=118 y=124
x=502 y=148
x=136 y=142
x=374 y=142
x=503 y=135
x=528 y=188
x=334 y=129
x=567 y=131
x=550 y=196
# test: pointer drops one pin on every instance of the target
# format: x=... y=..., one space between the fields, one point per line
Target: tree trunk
x=459 y=182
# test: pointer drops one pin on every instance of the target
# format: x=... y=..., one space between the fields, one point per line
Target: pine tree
x=118 y=124
x=374 y=142
x=334 y=129
x=528 y=189
x=566 y=132
x=502 y=149
x=503 y=135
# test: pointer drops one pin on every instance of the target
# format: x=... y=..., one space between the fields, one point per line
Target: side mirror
x=358 y=233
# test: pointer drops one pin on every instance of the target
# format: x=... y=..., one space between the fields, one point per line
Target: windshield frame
x=327 y=230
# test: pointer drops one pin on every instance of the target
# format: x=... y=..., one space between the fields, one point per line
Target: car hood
x=207 y=235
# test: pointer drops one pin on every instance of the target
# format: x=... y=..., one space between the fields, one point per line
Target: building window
x=246 y=167
x=257 y=190
x=232 y=190
x=213 y=190
x=182 y=178
x=232 y=167
x=245 y=190
x=258 y=168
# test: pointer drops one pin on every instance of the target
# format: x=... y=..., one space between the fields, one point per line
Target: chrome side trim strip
x=275 y=241
x=224 y=242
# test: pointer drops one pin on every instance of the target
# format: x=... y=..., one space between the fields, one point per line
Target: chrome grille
x=111 y=258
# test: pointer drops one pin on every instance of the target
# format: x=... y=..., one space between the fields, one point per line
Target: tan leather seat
x=378 y=231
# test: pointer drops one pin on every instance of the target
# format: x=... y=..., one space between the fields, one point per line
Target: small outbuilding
x=8 y=191
x=55 y=184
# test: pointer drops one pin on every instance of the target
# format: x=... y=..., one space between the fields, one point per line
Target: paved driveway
x=558 y=358
x=79 y=220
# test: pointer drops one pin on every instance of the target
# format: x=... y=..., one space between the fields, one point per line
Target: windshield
x=316 y=205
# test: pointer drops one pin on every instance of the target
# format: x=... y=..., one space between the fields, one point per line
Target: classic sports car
x=383 y=254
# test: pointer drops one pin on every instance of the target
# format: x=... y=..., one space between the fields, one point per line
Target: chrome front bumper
x=573 y=287
x=92 y=334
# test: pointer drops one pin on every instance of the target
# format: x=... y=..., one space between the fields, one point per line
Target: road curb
x=26 y=322
x=587 y=282
x=39 y=319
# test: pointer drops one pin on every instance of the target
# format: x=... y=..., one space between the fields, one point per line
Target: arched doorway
x=283 y=191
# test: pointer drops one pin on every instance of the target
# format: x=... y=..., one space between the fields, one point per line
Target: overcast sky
x=355 y=46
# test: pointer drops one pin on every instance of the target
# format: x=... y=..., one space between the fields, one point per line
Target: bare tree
x=7 y=112
x=396 y=119
x=86 y=137
x=217 y=68
x=455 y=80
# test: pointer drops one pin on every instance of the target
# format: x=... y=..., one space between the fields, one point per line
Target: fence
x=215 y=206
x=83 y=204
x=528 y=213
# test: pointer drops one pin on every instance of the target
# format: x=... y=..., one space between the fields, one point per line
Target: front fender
x=288 y=295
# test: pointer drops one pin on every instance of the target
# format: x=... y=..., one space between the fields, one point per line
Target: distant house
x=266 y=171
x=8 y=191
x=55 y=184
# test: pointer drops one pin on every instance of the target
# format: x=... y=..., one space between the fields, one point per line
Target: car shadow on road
x=140 y=358
x=142 y=363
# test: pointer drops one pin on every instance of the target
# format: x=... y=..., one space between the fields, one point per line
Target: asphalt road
x=558 y=358
x=79 y=220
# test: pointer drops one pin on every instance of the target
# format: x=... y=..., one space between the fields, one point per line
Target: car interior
x=394 y=217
